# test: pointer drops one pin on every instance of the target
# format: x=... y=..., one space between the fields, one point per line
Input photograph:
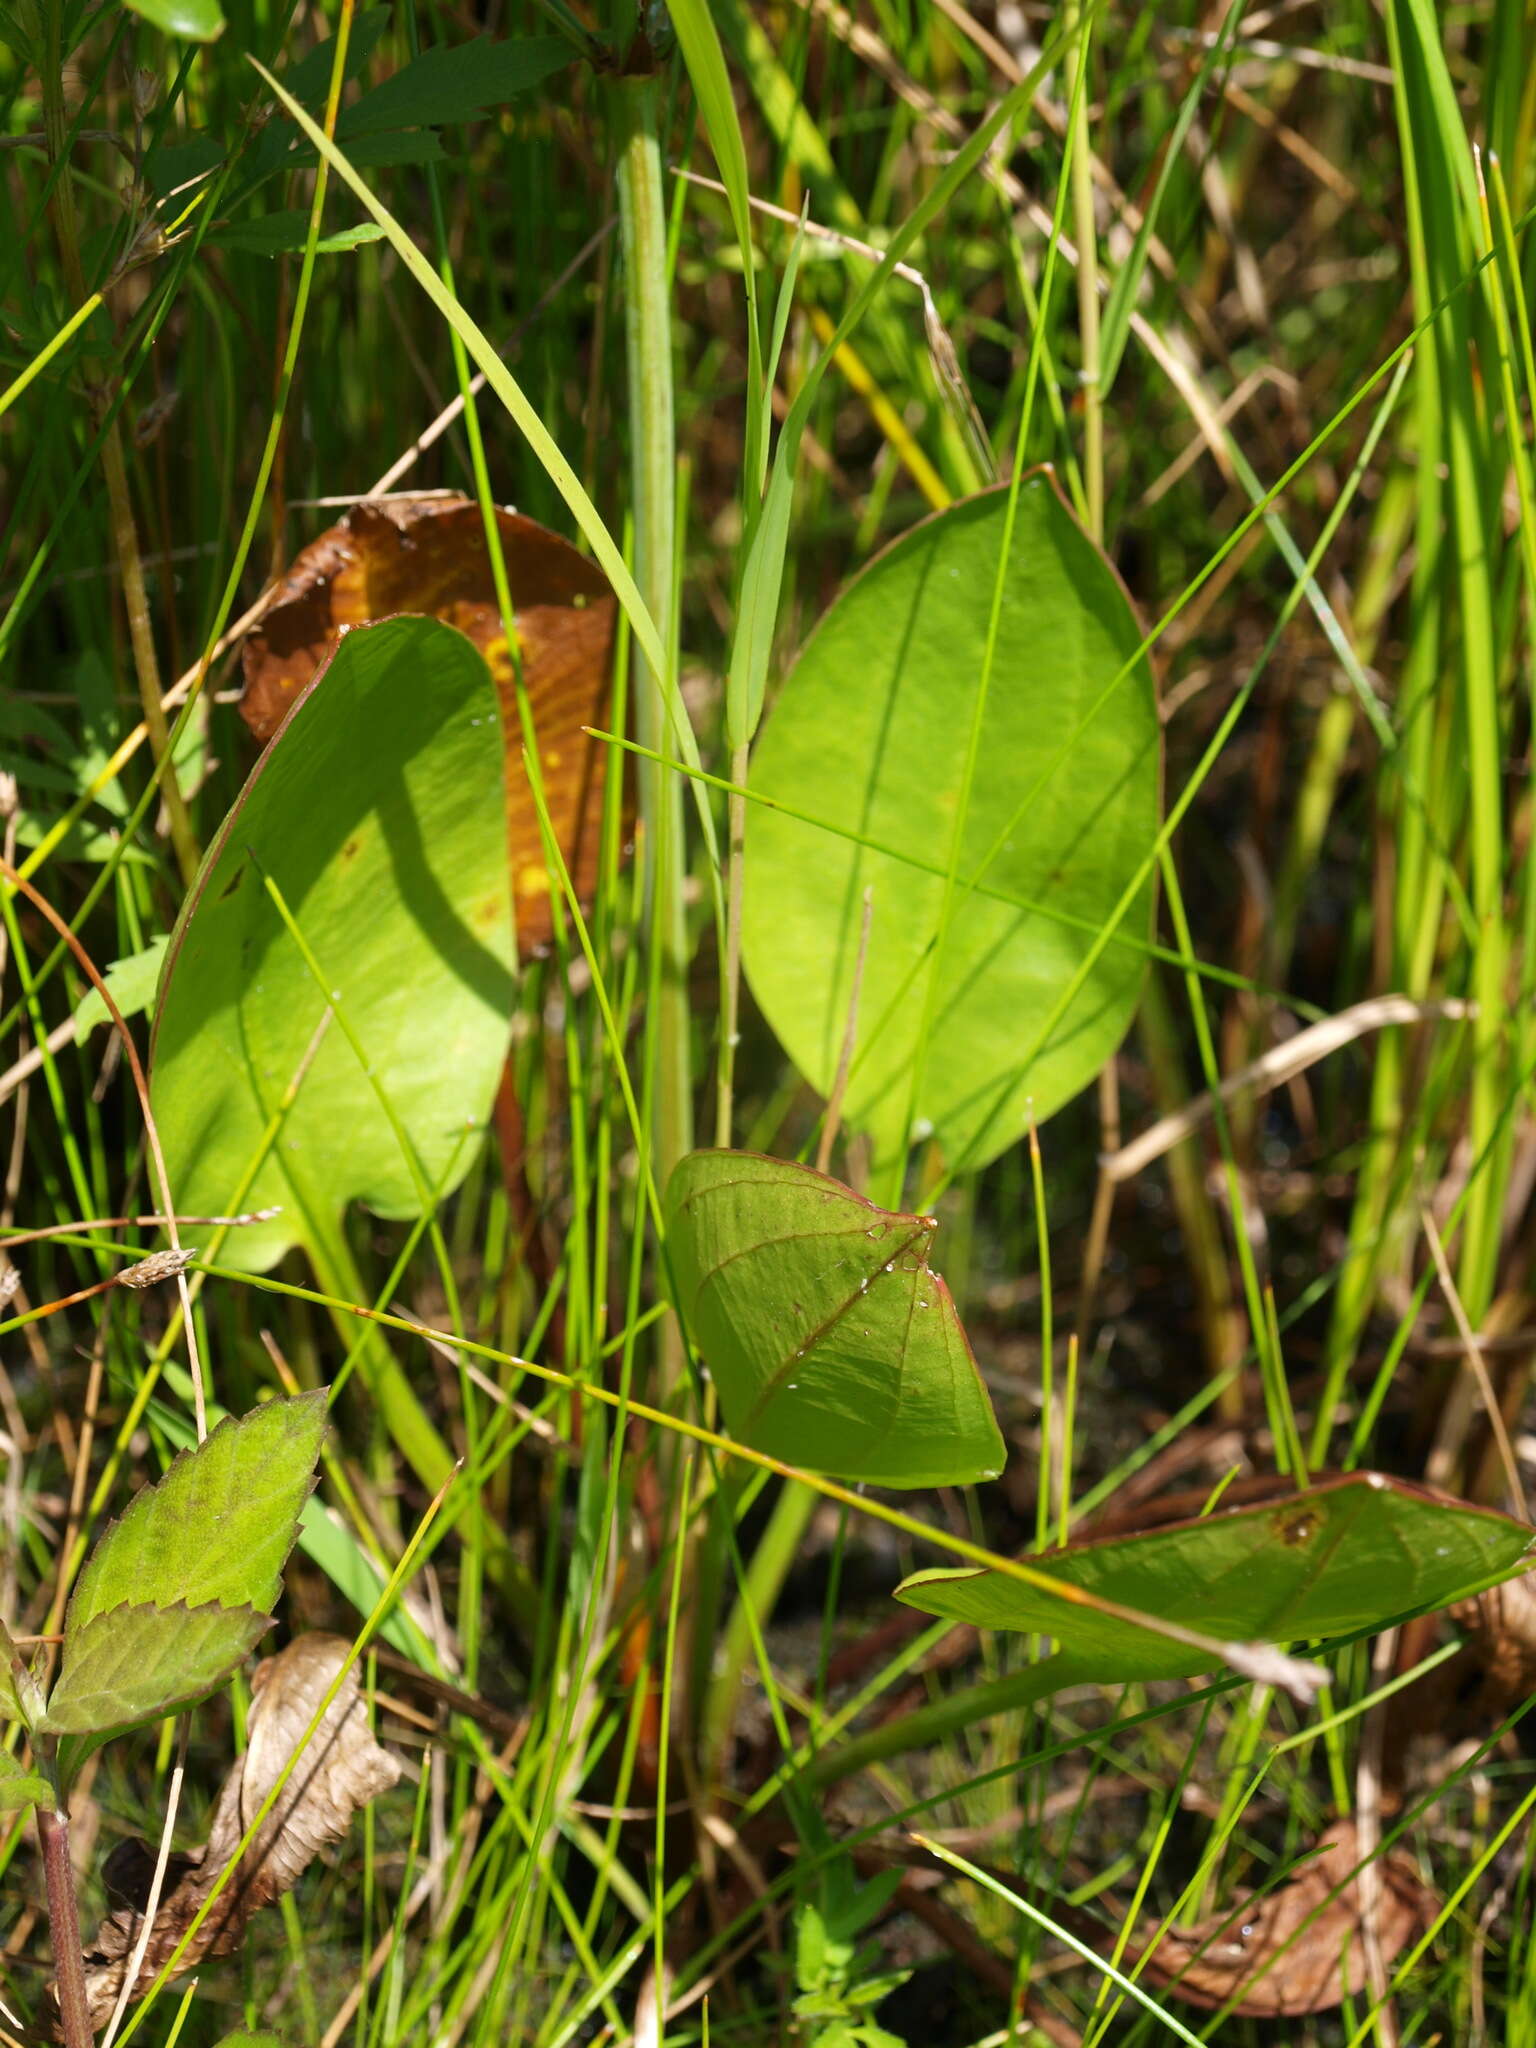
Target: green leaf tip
x=20 y=1787
x=21 y=1697
x=200 y=21
x=833 y=1343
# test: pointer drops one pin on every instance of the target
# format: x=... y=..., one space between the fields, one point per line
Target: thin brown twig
x=151 y=1129
x=1479 y=1369
x=1280 y=1064
x=157 y=1884
x=153 y=1222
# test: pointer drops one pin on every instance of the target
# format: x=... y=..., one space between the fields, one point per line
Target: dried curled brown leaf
x=1297 y=1949
x=1473 y=1690
x=429 y=556
x=1300 y=1948
x=341 y=1769
x=1500 y=1627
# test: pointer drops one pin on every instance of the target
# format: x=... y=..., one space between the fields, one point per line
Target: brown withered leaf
x=341 y=1769
x=428 y=556
x=1473 y=1690
x=1500 y=1627
x=1309 y=1964
x=1306 y=1967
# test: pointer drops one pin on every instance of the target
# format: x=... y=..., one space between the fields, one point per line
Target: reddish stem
x=64 y=1930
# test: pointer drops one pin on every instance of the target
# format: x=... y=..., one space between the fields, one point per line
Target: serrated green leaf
x=819 y=2005
x=217 y=1528
x=279 y=148
x=833 y=1343
x=810 y=1947
x=310 y=78
x=200 y=21
x=243 y=2040
x=20 y=1787
x=1350 y=1555
x=132 y=1664
x=455 y=83
x=132 y=980
x=167 y=169
x=873 y=1989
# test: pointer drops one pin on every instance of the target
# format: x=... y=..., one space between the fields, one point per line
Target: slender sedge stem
x=648 y=335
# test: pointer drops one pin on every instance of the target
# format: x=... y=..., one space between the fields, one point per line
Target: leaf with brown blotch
x=340 y=1770
x=429 y=556
x=1299 y=1948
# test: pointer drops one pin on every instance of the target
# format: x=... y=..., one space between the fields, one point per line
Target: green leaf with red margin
x=1346 y=1557
x=834 y=1344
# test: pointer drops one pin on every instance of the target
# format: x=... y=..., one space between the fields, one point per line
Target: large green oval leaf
x=379 y=811
x=832 y=1342
x=1350 y=1555
x=871 y=734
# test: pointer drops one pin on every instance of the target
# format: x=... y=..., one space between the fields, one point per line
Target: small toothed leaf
x=20 y=1787
x=217 y=1529
x=134 y=1663
x=21 y=1697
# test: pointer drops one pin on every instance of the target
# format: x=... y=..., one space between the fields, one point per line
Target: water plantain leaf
x=20 y=1787
x=379 y=812
x=134 y=1663
x=217 y=1529
x=1349 y=1555
x=833 y=1344
x=891 y=724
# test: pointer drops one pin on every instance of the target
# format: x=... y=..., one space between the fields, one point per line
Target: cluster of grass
x=1258 y=289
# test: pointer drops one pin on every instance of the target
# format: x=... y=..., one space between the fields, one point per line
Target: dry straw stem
x=1440 y=1458
x=1274 y=1068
